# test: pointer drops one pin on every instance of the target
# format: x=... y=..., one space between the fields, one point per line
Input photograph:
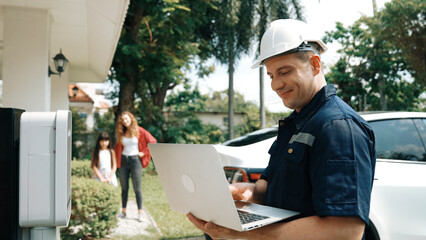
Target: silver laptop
x=194 y=182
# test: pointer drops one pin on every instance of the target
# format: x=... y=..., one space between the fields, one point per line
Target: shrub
x=81 y=168
x=95 y=206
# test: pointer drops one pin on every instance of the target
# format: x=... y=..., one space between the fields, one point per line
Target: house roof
x=81 y=96
x=96 y=92
x=87 y=31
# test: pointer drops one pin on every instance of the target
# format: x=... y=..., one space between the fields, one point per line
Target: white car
x=398 y=203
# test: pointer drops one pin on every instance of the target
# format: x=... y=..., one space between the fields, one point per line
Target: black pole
x=9 y=173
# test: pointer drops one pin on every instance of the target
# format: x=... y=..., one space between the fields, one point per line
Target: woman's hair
x=120 y=129
x=103 y=136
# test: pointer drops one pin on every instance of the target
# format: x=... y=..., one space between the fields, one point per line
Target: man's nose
x=276 y=84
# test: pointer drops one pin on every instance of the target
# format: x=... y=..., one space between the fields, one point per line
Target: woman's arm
x=144 y=138
x=118 y=148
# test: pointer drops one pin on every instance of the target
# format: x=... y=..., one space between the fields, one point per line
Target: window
x=82 y=115
x=398 y=139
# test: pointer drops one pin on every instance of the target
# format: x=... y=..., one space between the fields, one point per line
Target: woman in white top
x=104 y=162
x=132 y=154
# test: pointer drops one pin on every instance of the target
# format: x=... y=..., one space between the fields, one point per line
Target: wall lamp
x=60 y=62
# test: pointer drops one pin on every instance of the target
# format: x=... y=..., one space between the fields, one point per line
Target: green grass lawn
x=172 y=225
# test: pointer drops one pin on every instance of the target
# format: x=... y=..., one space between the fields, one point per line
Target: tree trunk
x=382 y=87
x=126 y=96
x=261 y=98
x=231 y=99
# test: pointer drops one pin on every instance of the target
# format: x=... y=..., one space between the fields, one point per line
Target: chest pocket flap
x=297 y=146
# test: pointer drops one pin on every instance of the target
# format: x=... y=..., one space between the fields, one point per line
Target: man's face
x=292 y=79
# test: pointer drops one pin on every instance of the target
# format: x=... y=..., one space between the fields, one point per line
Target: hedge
x=81 y=168
x=95 y=205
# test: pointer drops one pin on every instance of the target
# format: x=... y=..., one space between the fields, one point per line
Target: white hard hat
x=287 y=36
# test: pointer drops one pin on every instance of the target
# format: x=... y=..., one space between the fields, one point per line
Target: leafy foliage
x=183 y=125
x=187 y=100
x=159 y=40
x=234 y=32
x=81 y=169
x=403 y=25
x=370 y=71
x=94 y=206
x=80 y=149
x=105 y=123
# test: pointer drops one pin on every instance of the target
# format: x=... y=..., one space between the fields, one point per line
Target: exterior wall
x=219 y=118
x=26 y=84
x=59 y=93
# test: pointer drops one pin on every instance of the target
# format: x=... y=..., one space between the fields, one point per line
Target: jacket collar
x=312 y=107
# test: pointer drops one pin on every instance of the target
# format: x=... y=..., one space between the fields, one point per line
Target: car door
x=398 y=204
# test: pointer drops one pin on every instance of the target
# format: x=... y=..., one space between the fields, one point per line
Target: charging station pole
x=35 y=174
x=9 y=173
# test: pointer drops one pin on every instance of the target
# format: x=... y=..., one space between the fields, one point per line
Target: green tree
x=187 y=100
x=80 y=150
x=217 y=101
x=158 y=41
x=234 y=29
x=370 y=69
x=403 y=25
x=181 y=124
x=234 y=32
x=106 y=123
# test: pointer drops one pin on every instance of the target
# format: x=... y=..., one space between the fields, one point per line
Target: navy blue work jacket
x=322 y=162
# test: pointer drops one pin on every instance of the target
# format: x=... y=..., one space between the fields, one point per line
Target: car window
x=253 y=137
x=421 y=126
x=398 y=139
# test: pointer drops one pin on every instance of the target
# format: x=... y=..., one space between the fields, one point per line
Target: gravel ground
x=130 y=225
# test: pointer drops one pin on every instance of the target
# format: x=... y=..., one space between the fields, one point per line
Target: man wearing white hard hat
x=322 y=163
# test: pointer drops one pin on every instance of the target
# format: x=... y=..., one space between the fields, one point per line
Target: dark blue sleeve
x=342 y=169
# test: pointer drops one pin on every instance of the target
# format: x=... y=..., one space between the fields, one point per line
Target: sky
x=321 y=15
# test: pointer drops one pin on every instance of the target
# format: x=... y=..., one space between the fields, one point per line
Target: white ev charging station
x=45 y=173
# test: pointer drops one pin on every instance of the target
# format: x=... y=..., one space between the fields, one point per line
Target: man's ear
x=315 y=62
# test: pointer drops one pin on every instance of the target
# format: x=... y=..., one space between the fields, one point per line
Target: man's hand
x=242 y=191
x=215 y=231
x=249 y=192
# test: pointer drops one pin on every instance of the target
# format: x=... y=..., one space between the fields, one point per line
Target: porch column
x=26 y=84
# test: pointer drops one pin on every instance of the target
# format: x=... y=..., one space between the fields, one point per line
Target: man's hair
x=302 y=55
x=306 y=55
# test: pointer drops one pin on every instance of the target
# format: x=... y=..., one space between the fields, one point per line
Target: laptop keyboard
x=246 y=217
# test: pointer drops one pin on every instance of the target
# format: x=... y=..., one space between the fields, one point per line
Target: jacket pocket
x=295 y=170
x=296 y=152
